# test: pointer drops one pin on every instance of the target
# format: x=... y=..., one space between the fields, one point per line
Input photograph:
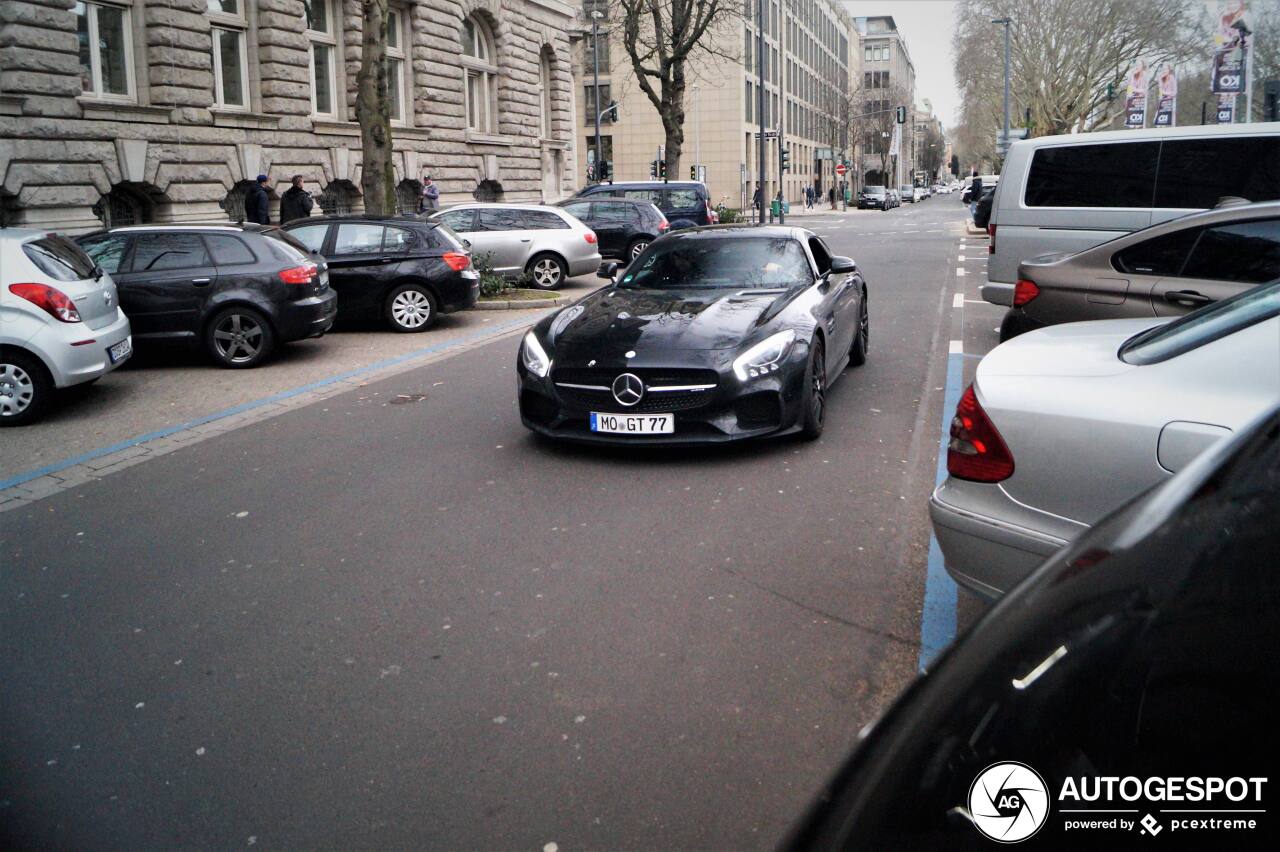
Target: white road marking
x=956 y=347
x=981 y=302
x=959 y=271
x=961 y=258
x=958 y=301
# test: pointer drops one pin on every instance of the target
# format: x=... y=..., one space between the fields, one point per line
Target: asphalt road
x=370 y=625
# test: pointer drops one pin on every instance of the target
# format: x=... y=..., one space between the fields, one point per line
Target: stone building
x=124 y=111
x=888 y=78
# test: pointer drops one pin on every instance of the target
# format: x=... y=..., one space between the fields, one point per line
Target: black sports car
x=712 y=334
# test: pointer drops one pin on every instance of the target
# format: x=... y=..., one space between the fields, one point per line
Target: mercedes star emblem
x=628 y=389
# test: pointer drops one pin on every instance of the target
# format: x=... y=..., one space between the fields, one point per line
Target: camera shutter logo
x=1009 y=802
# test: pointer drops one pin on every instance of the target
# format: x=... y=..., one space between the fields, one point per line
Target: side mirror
x=842 y=265
x=607 y=270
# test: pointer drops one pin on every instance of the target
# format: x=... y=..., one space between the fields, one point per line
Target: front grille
x=649 y=375
x=653 y=401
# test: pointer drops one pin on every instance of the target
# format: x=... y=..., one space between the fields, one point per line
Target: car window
x=59 y=258
x=644 y=195
x=168 y=250
x=615 y=213
x=682 y=199
x=358 y=238
x=740 y=263
x=227 y=250
x=461 y=221
x=397 y=239
x=1120 y=174
x=443 y=237
x=581 y=209
x=1162 y=255
x=500 y=220
x=283 y=246
x=821 y=256
x=1203 y=326
x=311 y=236
x=1196 y=173
x=107 y=252
x=1248 y=252
x=541 y=220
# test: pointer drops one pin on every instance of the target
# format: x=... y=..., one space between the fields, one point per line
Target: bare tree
x=662 y=38
x=872 y=124
x=932 y=151
x=373 y=112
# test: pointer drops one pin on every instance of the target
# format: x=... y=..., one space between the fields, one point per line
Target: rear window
x=443 y=237
x=1196 y=173
x=1206 y=325
x=1119 y=174
x=283 y=246
x=59 y=258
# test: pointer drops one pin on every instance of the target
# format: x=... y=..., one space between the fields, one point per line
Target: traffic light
x=603 y=168
x=662 y=169
x=611 y=114
x=901 y=114
x=653 y=169
x=693 y=173
x=786 y=159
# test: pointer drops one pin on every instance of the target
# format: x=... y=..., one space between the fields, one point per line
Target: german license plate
x=121 y=350
x=633 y=424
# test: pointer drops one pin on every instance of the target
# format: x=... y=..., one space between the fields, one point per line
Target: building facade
x=125 y=111
x=806 y=87
x=887 y=79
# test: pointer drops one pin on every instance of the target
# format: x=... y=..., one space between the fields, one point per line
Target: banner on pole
x=1226 y=109
x=1230 y=49
x=896 y=144
x=1135 y=102
x=1167 y=105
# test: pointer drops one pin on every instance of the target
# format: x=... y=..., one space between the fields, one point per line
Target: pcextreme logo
x=1009 y=802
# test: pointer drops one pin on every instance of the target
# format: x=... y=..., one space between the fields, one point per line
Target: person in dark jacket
x=975 y=195
x=296 y=203
x=257 y=208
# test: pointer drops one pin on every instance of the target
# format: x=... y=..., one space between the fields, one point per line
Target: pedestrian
x=975 y=195
x=808 y=197
x=831 y=197
x=257 y=207
x=296 y=203
x=430 y=196
x=755 y=201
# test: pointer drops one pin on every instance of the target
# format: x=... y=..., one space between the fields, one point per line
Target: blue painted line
x=249 y=406
x=938 y=621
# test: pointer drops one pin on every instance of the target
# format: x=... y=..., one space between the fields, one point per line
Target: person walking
x=257 y=207
x=975 y=195
x=296 y=203
x=755 y=203
x=430 y=196
x=808 y=197
x=831 y=197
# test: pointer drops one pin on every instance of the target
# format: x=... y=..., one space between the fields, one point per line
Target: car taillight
x=457 y=260
x=664 y=225
x=299 y=274
x=53 y=301
x=976 y=451
x=590 y=236
x=1024 y=291
x=991 y=243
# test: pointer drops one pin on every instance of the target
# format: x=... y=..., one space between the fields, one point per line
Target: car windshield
x=874 y=190
x=730 y=263
x=1203 y=326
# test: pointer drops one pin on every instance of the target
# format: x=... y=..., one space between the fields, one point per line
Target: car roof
x=1212 y=216
x=651 y=184
x=399 y=218
x=1261 y=128
x=739 y=231
x=499 y=205
x=189 y=226
x=577 y=199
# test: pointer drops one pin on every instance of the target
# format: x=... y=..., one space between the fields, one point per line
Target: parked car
x=624 y=226
x=686 y=204
x=1165 y=270
x=60 y=322
x=765 y=318
x=874 y=198
x=907 y=193
x=982 y=214
x=546 y=243
x=988 y=182
x=919 y=193
x=1063 y=425
x=403 y=269
x=1143 y=651
x=237 y=290
x=895 y=198
x=1071 y=192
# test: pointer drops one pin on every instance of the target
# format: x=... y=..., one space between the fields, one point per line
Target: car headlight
x=764 y=357
x=534 y=356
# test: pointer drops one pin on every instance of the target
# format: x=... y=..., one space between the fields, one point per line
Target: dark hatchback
x=874 y=198
x=1143 y=651
x=713 y=334
x=404 y=270
x=623 y=226
x=239 y=290
x=686 y=204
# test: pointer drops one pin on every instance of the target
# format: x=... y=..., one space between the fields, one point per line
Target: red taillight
x=590 y=236
x=1024 y=291
x=976 y=451
x=299 y=274
x=53 y=301
x=457 y=260
x=991 y=243
x=664 y=225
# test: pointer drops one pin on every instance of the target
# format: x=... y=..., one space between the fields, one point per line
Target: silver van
x=1069 y=193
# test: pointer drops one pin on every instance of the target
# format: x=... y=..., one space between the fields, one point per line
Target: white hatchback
x=60 y=322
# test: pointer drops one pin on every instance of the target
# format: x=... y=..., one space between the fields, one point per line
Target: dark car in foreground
x=404 y=270
x=238 y=290
x=1144 y=650
x=624 y=226
x=685 y=203
x=712 y=334
x=874 y=198
x=1168 y=269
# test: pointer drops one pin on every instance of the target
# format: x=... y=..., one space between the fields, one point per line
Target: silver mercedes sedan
x=1065 y=424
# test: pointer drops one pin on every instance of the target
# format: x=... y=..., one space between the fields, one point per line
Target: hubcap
x=546 y=272
x=411 y=309
x=238 y=338
x=638 y=249
x=16 y=390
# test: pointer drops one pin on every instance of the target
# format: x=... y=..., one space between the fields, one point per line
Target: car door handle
x=1186 y=297
x=200 y=282
x=526 y=241
x=385 y=259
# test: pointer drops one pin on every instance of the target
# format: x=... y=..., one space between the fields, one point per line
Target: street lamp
x=596 y=15
x=1005 y=22
x=697 y=132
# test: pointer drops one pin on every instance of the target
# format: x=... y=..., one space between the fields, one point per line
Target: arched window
x=408 y=196
x=545 y=78
x=337 y=198
x=123 y=206
x=481 y=82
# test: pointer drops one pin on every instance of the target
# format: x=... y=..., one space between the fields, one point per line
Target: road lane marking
x=958 y=301
x=938 y=618
x=961 y=258
x=959 y=271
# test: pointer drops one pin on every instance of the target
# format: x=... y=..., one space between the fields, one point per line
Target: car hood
x=1071 y=349
x=616 y=319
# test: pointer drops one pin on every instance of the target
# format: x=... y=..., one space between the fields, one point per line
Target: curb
x=522 y=304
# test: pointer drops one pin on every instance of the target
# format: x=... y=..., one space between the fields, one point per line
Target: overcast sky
x=927 y=26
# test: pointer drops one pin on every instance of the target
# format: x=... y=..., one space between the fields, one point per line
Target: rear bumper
x=584 y=265
x=984 y=554
x=462 y=297
x=73 y=365
x=997 y=293
x=310 y=317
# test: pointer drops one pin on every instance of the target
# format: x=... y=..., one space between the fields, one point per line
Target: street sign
x=769 y=134
x=841 y=169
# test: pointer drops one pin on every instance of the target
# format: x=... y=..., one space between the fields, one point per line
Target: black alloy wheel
x=861 y=339
x=239 y=337
x=815 y=395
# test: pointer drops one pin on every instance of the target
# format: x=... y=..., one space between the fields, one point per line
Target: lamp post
x=762 y=100
x=595 y=56
x=1005 y=23
x=697 y=132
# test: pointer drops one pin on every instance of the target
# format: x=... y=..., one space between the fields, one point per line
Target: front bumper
x=309 y=317
x=732 y=411
x=984 y=554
